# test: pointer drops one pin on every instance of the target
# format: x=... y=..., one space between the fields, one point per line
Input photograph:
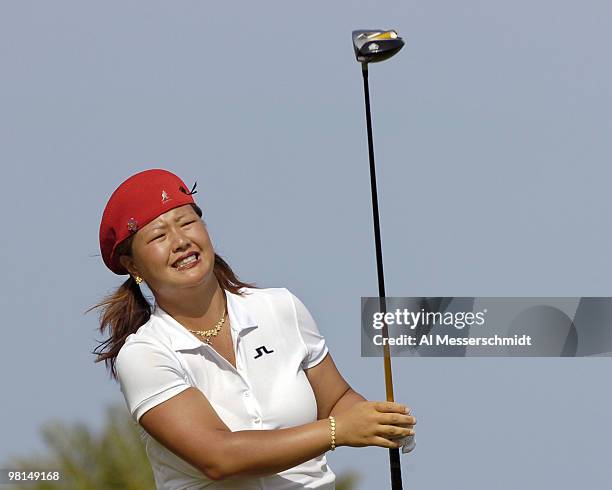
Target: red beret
x=136 y=202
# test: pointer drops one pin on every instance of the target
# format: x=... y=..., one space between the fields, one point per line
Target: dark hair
x=126 y=310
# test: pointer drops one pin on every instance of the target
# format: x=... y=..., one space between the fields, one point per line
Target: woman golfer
x=233 y=386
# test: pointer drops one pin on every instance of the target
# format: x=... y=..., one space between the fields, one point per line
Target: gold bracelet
x=332 y=431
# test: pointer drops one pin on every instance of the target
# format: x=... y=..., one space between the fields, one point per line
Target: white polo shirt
x=275 y=339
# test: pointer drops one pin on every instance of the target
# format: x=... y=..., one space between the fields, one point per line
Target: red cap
x=135 y=203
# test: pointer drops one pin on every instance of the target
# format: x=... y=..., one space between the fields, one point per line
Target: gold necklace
x=211 y=332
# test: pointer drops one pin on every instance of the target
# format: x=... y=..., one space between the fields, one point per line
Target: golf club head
x=374 y=45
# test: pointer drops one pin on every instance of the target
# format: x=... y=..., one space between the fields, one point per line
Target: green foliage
x=114 y=459
x=348 y=481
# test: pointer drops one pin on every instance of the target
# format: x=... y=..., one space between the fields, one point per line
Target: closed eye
x=188 y=223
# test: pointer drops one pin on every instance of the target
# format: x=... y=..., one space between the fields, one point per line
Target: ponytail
x=126 y=310
x=123 y=312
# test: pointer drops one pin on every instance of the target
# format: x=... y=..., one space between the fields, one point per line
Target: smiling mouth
x=187 y=262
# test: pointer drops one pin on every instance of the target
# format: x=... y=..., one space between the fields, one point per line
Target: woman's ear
x=128 y=263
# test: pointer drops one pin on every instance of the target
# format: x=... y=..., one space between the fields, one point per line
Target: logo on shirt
x=261 y=351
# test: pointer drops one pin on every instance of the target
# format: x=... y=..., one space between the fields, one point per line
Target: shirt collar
x=181 y=339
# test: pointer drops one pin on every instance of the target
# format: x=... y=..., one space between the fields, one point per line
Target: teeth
x=187 y=260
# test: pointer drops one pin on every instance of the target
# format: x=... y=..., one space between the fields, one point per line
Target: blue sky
x=492 y=135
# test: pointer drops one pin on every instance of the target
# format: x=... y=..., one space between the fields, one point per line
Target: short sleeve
x=315 y=343
x=148 y=374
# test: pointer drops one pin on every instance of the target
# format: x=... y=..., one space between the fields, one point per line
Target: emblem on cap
x=165 y=196
x=132 y=225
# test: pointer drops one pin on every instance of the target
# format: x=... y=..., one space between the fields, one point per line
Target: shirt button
x=257 y=421
x=247 y=393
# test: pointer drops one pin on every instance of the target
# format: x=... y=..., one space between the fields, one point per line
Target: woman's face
x=172 y=252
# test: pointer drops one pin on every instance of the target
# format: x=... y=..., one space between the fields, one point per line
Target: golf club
x=372 y=46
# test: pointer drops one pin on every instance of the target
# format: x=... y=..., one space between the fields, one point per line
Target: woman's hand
x=374 y=424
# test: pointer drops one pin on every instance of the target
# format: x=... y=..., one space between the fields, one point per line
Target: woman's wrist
x=347 y=401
